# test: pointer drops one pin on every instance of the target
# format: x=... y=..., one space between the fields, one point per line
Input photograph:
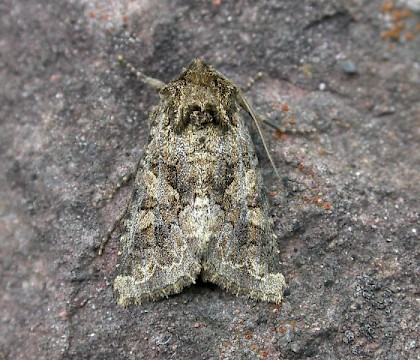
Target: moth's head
x=200 y=96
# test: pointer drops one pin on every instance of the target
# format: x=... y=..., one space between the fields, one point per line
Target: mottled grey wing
x=243 y=257
x=155 y=258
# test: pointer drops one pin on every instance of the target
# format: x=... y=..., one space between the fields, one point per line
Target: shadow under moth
x=198 y=206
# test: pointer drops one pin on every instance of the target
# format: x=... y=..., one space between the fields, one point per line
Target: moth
x=198 y=206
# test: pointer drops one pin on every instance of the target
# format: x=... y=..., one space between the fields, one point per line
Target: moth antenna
x=149 y=81
x=247 y=107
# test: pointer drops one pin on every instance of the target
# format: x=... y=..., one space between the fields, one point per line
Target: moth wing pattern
x=243 y=257
x=198 y=205
x=154 y=259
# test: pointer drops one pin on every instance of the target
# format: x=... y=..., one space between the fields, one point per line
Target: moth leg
x=125 y=180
